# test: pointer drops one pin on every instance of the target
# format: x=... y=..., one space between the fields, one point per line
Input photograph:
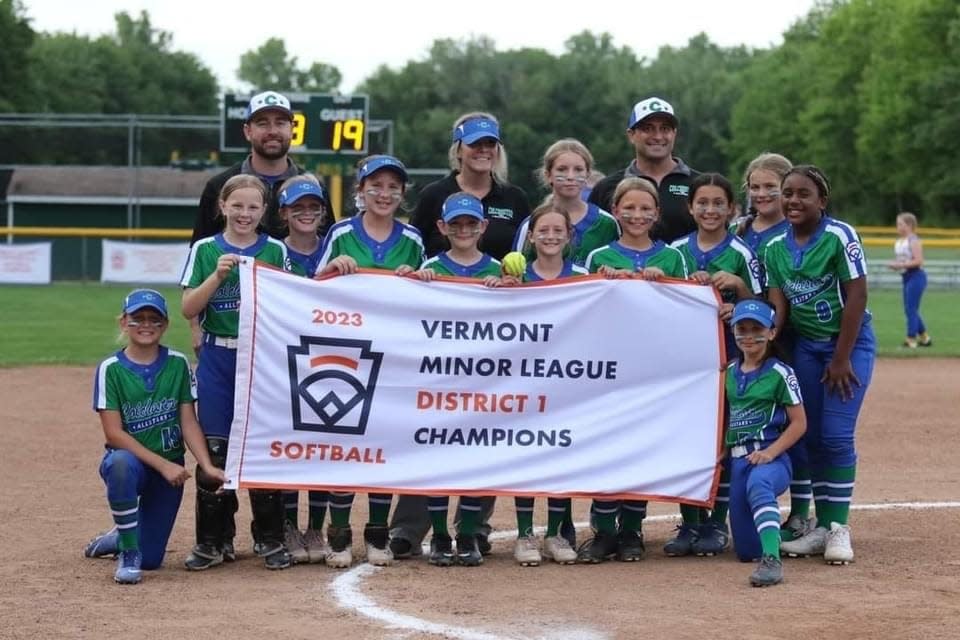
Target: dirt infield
x=905 y=584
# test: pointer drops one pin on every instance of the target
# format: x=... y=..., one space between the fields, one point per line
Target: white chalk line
x=346 y=586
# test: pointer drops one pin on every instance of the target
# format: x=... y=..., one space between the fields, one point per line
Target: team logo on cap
x=332 y=381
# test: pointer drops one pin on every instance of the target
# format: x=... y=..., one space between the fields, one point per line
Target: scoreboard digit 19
x=322 y=123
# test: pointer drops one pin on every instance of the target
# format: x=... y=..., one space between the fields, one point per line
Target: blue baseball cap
x=476 y=129
x=650 y=107
x=143 y=298
x=753 y=310
x=461 y=204
x=300 y=189
x=378 y=163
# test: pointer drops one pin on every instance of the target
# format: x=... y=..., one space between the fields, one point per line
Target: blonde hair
x=244 y=181
x=767 y=161
x=547 y=206
x=453 y=157
x=303 y=177
x=908 y=219
x=554 y=151
x=632 y=183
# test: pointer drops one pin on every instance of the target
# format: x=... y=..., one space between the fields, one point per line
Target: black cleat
x=483 y=544
x=630 y=546
x=203 y=557
x=275 y=555
x=602 y=546
x=441 y=550
x=468 y=553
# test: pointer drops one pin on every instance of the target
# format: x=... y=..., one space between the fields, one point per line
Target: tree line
x=867 y=89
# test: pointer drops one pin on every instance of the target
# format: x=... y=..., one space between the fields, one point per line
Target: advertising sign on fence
x=146 y=263
x=375 y=382
x=25 y=263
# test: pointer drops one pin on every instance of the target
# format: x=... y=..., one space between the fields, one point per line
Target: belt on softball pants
x=742 y=450
x=220 y=341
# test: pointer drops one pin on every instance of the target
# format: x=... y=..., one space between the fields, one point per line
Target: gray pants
x=411 y=521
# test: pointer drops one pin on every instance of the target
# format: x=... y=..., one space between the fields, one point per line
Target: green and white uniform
x=443 y=265
x=349 y=238
x=811 y=277
x=731 y=255
x=596 y=229
x=221 y=318
x=148 y=398
x=617 y=256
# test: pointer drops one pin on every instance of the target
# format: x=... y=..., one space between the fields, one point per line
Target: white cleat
x=293 y=541
x=838 y=549
x=527 y=551
x=340 y=559
x=557 y=548
x=379 y=557
x=812 y=544
x=316 y=544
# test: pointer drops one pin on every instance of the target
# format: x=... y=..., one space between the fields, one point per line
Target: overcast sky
x=357 y=37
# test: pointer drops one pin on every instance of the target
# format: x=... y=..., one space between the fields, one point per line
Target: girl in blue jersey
x=717 y=257
x=211 y=291
x=374 y=239
x=816 y=274
x=764 y=218
x=145 y=397
x=566 y=166
x=550 y=231
x=304 y=208
x=765 y=419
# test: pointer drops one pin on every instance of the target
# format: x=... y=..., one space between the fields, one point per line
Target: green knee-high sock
x=690 y=515
x=126 y=517
x=340 y=506
x=556 y=513
x=380 y=508
x=438 y=506
x=722 y=504
x=524 y=507
x=605 y=515
x=770 y=541
x=840 y=483
x=470 y=511
x=317 y=508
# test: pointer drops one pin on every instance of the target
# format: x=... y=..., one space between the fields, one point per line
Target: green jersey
x=221 y=316
x=617 y=256
x=596 y=229
x=349 y=238
x=731 y=255
x=757 y=402
x=148 y=398
x=811 y=276
x=443 y=265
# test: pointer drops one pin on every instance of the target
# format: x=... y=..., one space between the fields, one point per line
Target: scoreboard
x=322 y=123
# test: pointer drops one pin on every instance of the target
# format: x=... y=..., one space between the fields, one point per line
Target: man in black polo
x=268 y=128
x=652 y=130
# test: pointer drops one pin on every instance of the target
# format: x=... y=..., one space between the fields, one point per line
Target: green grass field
x=73 y=323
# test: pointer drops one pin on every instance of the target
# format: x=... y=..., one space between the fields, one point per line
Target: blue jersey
x=305 y=264
x=569 y=270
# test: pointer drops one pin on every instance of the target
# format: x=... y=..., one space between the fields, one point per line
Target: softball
x=514 y=264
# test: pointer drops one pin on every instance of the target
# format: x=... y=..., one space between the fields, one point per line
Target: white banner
x=373 y=382
x=25 y=263
x=141 y=262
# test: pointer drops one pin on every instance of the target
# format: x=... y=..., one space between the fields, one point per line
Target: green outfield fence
x=77 y=250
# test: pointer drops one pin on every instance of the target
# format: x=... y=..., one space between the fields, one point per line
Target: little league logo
x=332 y=381
x=854 y=251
